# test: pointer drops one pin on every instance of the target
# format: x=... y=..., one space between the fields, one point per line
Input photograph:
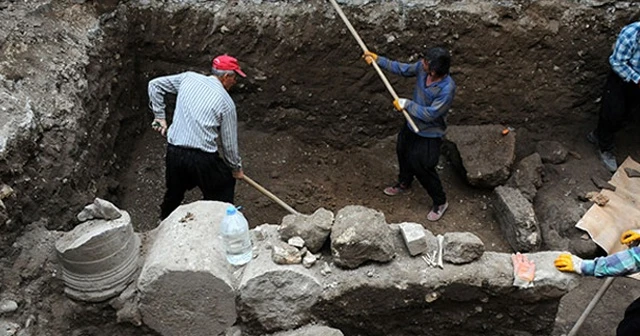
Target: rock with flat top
x=482 y=153
x=186 y=285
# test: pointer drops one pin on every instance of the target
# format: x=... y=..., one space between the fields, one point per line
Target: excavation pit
x=317 y=125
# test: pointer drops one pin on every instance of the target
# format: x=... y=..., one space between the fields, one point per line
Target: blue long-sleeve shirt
x=430 y=103
x=625 y=60
x=621 y=263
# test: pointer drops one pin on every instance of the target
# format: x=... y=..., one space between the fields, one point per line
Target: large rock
x=314 y=229
x=18 y=121
x=557 y=215
x=405 y=297
x=482 y=152
x=99 y=258
x=186 y=285
x=527 y=176
x=552 y=151
x=359 y=235
x=517 y=219
x=462 y=247
x=276 y=297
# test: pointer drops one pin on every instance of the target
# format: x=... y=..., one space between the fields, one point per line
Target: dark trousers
x=618 y=100
x=630 y=325
x=418 y=157
x=188 y=168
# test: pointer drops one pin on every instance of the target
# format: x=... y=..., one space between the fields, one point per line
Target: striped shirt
x=430 y=103
x=203 y=111
x=625 y=60
x=621 y=263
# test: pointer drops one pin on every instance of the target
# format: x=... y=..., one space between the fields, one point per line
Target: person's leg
x=630 y=324
x=177 y=178
x=405 y=176
x=613 y=110
x=425 y=155
x=215 y=179
x=406 y=139
x=632 y=97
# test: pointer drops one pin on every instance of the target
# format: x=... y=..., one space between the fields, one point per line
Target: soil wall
x=537 y=65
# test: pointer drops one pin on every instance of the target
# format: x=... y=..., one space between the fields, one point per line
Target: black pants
x=418 y=157
x=630 y=325
x=618 y=100
x=188 y=168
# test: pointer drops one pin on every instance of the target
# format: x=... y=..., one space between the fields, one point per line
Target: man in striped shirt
x=204 y=111
x=618 y=264
x=621 y=93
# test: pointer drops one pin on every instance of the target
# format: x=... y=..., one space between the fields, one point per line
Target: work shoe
x=609 y=161
x=398 y=188
x=437 y=212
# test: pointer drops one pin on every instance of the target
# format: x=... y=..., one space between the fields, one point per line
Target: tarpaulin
x=606 y=223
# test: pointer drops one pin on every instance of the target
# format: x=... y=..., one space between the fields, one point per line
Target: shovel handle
x=607 y=283
x=269 y=194
x=375 y=65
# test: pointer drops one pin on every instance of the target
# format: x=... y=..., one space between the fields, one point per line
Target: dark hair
x=439 y=60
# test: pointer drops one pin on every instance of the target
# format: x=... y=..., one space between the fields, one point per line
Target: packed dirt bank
x=318 y=124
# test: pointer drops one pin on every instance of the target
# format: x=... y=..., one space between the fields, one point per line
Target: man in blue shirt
x=618 y=264
x=621 y=93
x=418 y=152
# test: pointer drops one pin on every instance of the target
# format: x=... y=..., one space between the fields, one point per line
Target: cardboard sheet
x=606 y=223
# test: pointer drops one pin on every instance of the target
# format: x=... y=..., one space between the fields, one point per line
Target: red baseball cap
x=226 y=62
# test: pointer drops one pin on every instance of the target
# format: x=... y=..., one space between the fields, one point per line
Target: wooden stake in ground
x=375 y=65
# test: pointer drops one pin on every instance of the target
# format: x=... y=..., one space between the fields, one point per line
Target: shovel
x=270 y=195
x=576 y=327
x=375 y=65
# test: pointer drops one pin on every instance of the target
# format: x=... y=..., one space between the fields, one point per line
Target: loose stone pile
x=365 y=280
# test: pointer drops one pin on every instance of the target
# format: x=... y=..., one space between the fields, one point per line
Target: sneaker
x=609 y=161
x=592 y=138
x=437 y=212
x=398 y=188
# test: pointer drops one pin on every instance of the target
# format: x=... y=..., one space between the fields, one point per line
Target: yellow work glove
x=369 y=57
x=400 y=104
x=567 y=262
x=630 y=237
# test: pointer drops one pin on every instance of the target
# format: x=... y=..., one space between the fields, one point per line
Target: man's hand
x=567 y=262
x=630 y=237
x=238 y=174
x=400 y=103
x=160 y=125
x=369 y=57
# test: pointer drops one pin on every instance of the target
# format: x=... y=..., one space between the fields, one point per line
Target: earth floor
x=310 y=177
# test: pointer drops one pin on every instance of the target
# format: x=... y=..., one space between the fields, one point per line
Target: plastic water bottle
x=234 y=230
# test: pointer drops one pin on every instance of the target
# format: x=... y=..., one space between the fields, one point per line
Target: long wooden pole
x=270 y=195
x=375 y=65
x=607 y=283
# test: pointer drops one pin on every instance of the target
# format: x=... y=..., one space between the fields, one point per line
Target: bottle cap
x=231 y=210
